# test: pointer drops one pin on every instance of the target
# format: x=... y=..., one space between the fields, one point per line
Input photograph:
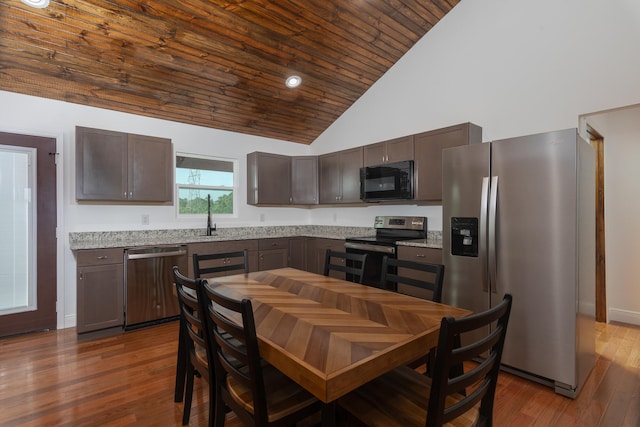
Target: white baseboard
x=69 y=321
x=587 y=308
x=623 y=316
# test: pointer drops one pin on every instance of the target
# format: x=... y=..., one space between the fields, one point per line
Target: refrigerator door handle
x=484 y=207
x=493 y=261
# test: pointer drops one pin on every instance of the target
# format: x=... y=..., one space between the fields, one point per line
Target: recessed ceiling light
x=293 y=81
x=40 y=4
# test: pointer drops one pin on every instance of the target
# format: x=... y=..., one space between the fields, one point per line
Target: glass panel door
x=17 y=230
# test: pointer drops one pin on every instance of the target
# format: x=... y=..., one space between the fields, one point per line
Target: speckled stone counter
x=433 y=240
x=116 y=239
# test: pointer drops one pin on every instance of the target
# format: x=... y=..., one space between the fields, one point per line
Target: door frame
x=61 y=242
x=597 y=142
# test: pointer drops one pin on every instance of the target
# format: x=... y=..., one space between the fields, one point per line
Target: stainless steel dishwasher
x=150 y=295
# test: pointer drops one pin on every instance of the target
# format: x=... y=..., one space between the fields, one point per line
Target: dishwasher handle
x=142 y=254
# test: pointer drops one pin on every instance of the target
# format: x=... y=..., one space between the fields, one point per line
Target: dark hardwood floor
x=54 y=379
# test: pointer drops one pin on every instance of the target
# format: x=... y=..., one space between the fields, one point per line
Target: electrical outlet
x=261 y=217
x=145 y=219
x=335 y=217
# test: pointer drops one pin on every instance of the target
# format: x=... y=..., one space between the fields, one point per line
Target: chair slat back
x=232 y=336
x=190 y=320
x=419 y=275
x=347 y=263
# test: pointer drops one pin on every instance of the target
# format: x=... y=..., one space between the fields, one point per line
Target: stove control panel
x=401 y=222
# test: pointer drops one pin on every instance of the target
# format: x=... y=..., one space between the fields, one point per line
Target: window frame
x=235 y=189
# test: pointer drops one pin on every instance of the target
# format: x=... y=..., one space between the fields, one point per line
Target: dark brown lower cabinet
x=297 y=253
x=100 y=272
x=316 y=250
x=225 y=246
x=273 y=253
x=100 y=289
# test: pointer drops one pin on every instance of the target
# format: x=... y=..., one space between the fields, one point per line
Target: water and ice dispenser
x=464 y=236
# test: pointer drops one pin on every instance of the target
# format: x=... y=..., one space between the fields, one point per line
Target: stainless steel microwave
x=391 y=181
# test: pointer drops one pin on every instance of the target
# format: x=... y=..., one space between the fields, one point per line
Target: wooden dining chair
x=417 y=279
x=205 y=265
x=348 y=263
x=183 y=346
x=259 y=394
x=412 y=274
x=405 y=398
x=220 y=264
x=192 y=345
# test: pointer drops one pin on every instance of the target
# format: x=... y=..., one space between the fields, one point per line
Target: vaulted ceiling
x=213 y=63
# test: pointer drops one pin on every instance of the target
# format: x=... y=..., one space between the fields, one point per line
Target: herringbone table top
x=331 y=336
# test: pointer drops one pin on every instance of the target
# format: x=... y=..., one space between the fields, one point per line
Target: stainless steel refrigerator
x=519 y=218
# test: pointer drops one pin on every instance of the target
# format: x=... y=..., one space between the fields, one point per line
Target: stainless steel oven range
x=389 y=230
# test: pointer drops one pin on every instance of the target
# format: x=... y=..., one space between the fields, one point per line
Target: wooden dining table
x=332 y=336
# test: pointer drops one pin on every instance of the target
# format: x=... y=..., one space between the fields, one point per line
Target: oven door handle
x=372 y=248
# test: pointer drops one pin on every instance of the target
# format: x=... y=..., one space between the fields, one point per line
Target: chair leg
x=220 y=410
x=181 y=368
x=186 y=414
x=212 y=402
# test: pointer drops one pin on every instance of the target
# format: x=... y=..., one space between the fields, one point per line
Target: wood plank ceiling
x=213 y=63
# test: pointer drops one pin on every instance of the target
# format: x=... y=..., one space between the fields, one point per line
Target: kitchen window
x=200 y=176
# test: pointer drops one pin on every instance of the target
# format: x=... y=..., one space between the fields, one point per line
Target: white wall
x=517 y=68
x=512 y=67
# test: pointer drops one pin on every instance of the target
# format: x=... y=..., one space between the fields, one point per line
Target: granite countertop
x=432 y=241
x=116 y=239
x=134 y=238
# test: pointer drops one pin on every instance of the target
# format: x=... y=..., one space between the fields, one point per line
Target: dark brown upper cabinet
x=275 y=179
x=340 y=176
x=120 y=167
x=428 y=156
x=268 y=179
x=304 y=180
x=334 y=178
x=391 y=151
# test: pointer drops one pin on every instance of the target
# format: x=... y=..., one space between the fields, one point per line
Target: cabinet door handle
x=81 y=276
x=103 y=257
x=420 y=255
